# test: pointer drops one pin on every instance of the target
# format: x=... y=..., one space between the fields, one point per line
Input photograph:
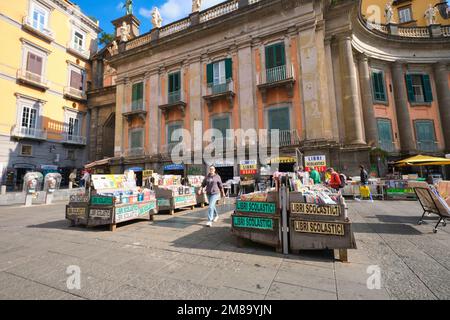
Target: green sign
x=256 y=207
x=185 y=199
x=253 y=222
x=102 y=201
x=133 y=211
x=163 y=202
x=400 y=191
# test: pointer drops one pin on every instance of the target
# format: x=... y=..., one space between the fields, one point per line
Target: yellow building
x=408 y=13
x=44 y=76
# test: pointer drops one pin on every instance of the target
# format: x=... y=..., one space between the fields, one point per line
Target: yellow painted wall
x=56 y=70
x=418 y=10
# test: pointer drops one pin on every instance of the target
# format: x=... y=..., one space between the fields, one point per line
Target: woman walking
x=212 y=185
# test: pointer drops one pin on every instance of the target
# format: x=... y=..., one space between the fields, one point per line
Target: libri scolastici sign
x=133 y=211
x=314 y=209
x=253 y=222
x=256 y=207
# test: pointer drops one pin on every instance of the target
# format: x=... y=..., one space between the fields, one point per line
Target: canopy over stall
x=421 y=160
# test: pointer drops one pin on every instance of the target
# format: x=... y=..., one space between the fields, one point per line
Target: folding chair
x=431 y=202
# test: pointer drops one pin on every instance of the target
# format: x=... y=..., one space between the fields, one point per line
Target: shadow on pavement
x=384 y=228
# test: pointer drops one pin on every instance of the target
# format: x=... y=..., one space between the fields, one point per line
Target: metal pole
x=284 y=219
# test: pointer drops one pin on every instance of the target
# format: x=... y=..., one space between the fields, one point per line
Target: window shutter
x=134 y=93
x=34 y=63
x=209 y=73
x=270 y=63
x=280 y=55
x=381 y=92
x=75 y=80
x=171 y=76
x=428 y=92
x=177 y=78
x=140 y=90
x=409 y=87
x=229 y=69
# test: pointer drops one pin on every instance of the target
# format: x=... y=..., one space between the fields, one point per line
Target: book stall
x=353 y=188
x=316 y=217
x=172 y=195
x=113 y=199
x=196 y=183
x=399 y=189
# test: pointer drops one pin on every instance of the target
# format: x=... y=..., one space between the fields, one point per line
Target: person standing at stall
x=315 y=176
x=364 y=189
x=335 y=180
x=212 y=185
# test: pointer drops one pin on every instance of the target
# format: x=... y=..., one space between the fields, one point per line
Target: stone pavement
x=177 y=257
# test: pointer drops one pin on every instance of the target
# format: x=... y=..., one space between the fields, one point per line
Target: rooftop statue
x=389 y=12
x=430 y=15
x=129 y=6
x=196 y=5
x=156 y=18
x=124 y=32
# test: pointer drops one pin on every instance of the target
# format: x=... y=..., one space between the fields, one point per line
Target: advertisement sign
x=75 y=198
x=185 y=200
x=100 y=213
x=248 y=167
x=256 y=207
x=163 y=202
x=147 y=173
x=314 y=209
x=109 y=181
x=316 y=162
x=133 y=211
x=78 y=212
x=328 y=228
x=101 y=201
x=253 y=223
x=173 y=167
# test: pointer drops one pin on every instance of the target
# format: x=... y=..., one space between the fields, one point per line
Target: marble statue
x=114 y=48
x=196 y=5
x=389 y=12
x=430 y=15
x=129 y=6
x=124 y=32
x=156 y=18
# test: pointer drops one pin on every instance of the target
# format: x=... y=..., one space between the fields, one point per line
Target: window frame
x=284 y=57
x=74 y=114
x=21 y=150
x=173 y=123
x=130 y=138
x=136 y=82
x=83 y=73
x=32 y=8
x=387 y=120
x=403 y=9
x=384 y=86
x=27 y=47
x=268 y=110
x=427 y=97
x=222 y=116
x=433 y=125
x=72 y=42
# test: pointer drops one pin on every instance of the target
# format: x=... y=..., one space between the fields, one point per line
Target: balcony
x=175 y=100
x=73 y=139
x=75 y=94
x=28 y=133
x=38 y=29
x=427 y=146
x=281 y=76
x=287 y=138
x=220 y=91
x=78 y=51
x=137 y=109
x=387 y=146
x=135 y=152
x=32 y=79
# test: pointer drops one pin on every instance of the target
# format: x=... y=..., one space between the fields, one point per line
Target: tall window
x=275 y=63
x=78 y=41
x=39 y=18
x=278 y=119
x=174 y=135
x=405 y=14
x=219 y=74
x=136 y=139
x=425 y=135
x=137 y=98
x=74 y=127
x=77 y=79
x=34 y=66
x=385 y=135
x=29 y=117
x=378 y=86
x=174 y=87
x=419 y=88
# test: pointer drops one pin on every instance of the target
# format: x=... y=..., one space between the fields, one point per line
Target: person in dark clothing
x=364 y=176
x=212 y=185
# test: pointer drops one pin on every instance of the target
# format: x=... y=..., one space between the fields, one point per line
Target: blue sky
x=108 y=10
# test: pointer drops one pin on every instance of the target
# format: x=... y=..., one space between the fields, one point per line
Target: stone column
x=443 y=94
x=120 y=107
x=246 y=88
x=370 y=123
x=401 y=106
x=352 y=109
x=153 y=118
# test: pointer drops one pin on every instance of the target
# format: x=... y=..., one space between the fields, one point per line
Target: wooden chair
x=431 y=203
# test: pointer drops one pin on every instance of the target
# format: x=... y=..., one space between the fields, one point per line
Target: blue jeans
x=212 y=210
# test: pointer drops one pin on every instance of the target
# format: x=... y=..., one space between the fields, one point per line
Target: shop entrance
x=225 y=173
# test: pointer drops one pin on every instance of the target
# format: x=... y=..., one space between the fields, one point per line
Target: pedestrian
x=84 y=182
x=72 y=177
x=315 y=176
x=335 y=180
x=364 y=189
x=212 y=185
x=303 y=175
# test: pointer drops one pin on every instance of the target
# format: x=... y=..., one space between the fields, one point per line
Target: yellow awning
x=421 y=160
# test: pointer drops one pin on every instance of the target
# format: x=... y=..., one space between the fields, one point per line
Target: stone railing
x=414 y=32
x=174 y=27
x=253 y=1
x=219 y=10
x=138 y=41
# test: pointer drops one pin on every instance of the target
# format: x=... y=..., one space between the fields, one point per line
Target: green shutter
x=381 y=87
x=140 y=90
x=280 y=55
x=134 y=93
x=228 y=69
x=177 y=80
x=221 y=124
x=170 y=87
x=210 y=73
x=136 y=139
x=278 y=119
x=428 y=92
x=270 y=57
x=409 y=88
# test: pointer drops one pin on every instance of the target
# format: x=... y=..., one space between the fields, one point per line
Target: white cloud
x=119 y=6
x=173 y=10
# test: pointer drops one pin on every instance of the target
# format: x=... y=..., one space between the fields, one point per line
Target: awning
x=421 y=160
x=283 y=160
x=97 y=163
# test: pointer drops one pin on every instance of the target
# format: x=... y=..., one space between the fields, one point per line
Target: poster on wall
x=248 y=167
x=316 y=162
x=109 y=181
